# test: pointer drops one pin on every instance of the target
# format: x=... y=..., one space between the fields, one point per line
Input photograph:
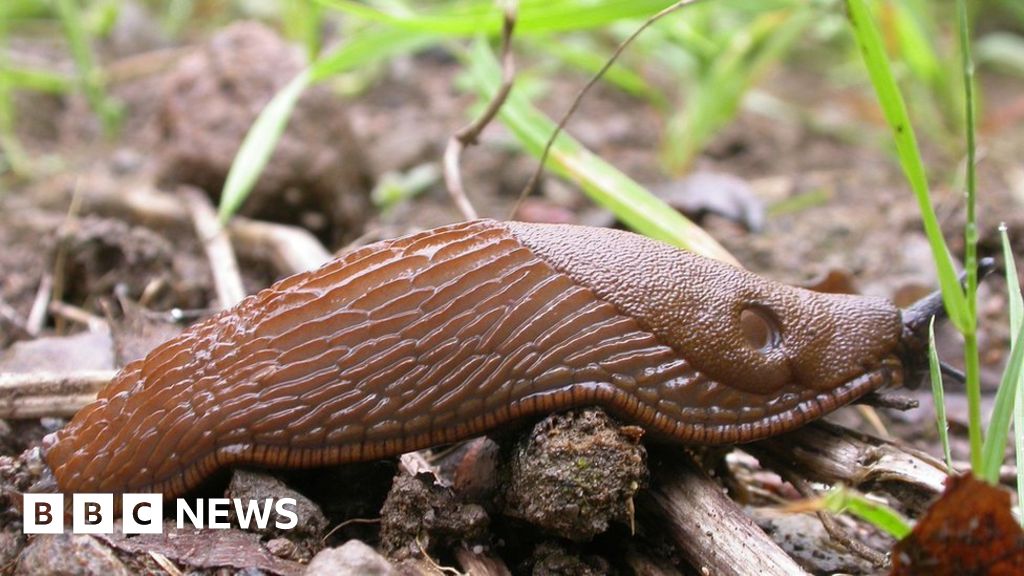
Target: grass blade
x=36 y=79
x=89 y=76
x=369 y=46
x=938 y=395
x=266 y=130
x=843 y=499
x=1016 y=321
x=259 y=145
x=606 y=185
x=891 y=100
x=999 y=421
x=482 y=17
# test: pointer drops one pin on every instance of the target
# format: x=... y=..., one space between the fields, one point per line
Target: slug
x=447 y=334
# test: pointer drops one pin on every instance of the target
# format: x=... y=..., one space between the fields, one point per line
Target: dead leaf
x=968 y=530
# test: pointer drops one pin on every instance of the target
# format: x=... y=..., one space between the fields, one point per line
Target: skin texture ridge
x=443 y=335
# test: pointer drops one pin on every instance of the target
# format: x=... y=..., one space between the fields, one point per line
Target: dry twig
x=469 y=134
x=708 y=528
x=42 y=394
x=214 y=238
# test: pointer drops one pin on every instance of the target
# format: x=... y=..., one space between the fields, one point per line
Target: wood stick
x=226 y=277
x=42 y=394
x=708 y=528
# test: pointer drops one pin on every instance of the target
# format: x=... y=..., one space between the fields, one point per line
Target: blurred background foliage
x=697 y=69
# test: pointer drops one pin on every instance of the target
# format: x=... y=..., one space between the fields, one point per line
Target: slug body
x=447 y=334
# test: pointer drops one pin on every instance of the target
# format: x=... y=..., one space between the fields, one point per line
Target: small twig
x=42 y=394
x=825 y=452
x=291 y=248
x=37 y=315
x=214 y=238
x=532 y=183
x=64 y=310
x=888 y=400
x=468 y=135
x=869 y=414
x=433 y=563
x=349 y=522
x=165 y=563
x=60 y=259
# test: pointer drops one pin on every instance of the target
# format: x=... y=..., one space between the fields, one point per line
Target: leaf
x=969 y=530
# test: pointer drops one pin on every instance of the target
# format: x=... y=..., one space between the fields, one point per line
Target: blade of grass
x=955 y=300
x=999 y=421
x=368 y=46
x=1016 y=321
x=482 y=18
x=266 y=130
x=893 y=107
x=606 y=185
x=89 y=76
x=36 y=80
x=259 y=144
x=939 y=396
x=716 y=97
x=842 y=499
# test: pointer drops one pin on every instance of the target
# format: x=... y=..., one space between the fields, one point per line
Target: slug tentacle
x=443 y=335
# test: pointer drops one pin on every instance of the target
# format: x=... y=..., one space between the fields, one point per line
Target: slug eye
x=759 y=328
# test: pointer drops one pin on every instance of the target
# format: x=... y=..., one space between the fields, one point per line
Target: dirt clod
x=247 y=485
x=574 y=474
x=317 y=176
x=419 y=514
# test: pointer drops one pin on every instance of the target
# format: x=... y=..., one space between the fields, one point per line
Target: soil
x=526 y=498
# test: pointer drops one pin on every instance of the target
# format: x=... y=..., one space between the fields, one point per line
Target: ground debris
x=354 y=557
x=419 y=515
x=575 y=473
x=69 y=554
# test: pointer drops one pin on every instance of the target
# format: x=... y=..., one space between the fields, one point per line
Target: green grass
x=89 y=75
x=841 y=499
x=1016 y=306
x=370 y=46
x=939 y=397
x=729 y=64
x=723 y=74
x=987 y=449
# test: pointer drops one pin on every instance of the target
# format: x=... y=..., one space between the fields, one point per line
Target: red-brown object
x=968 y=530
x=447 y=334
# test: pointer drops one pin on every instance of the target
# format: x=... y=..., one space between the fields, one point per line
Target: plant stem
x=970 y=243
x=973 y=371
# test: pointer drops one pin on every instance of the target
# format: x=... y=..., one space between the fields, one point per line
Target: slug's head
x=768 y=340
x=763 y=357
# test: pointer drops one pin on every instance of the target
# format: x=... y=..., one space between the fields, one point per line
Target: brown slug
x=447 y=334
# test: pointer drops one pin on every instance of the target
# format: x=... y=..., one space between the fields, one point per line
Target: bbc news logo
x=143 y=513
